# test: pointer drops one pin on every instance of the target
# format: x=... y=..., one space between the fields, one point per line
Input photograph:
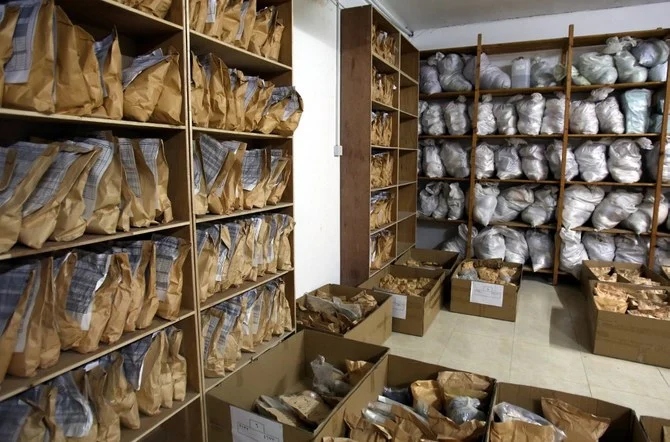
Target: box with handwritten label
x=486 y=287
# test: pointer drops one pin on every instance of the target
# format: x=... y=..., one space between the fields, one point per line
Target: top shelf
x=619 y=86
x=383 y=66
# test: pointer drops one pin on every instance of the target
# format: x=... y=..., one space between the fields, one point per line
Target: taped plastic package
x=430 y=81
x=432 y=120
x=432 y=164
x=625 y=159
x=511 y=202
x=505 y=115
x=429 y=198
x=599 y=246
x=485 y=166
x=597 y=68
x=631 y=248
x=516 y=247
x=455 y=201
x=579 y=203
x=508 y=162
x=459 y=242
x=572 y=252
x=553 y=120
x=529 y=113
x=455 y=159
x=486 y=199
x=543 y=208
x=592 y=159
x=456 y=117
x=490 y=76
x=641 y=221
x=651 y=52
x=486 y=122
x=554 y=156
x=614 y=208
x=541 y=73
x=610 y=117
x=541 y=249
x=490 y=244
x=450 y=68
x=636 y=104
x=534 y=162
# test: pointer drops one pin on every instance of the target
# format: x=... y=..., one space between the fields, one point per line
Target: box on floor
x=376 y=327
x=281 y=370
x=655 y=429
x=412 y=315
x=432 y=260
x=479 y=298
x=588 y=273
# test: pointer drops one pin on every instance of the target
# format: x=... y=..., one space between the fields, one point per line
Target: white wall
x=316 y=170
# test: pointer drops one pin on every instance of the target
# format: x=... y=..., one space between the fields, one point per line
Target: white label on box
x=250 y=427
x=400 y=306
x=487 y=294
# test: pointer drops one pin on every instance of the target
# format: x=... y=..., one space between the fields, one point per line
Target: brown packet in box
x=274 y=409
x=213 y=22
x=168 y=108
x=207 y=243
x=446 y=429
x=32 y=88
x=158 y=8
x=282 y=112
x=143 y=84
x=177 y=363
x=199 y=93
x=165 y=380
x=230 y=20
x=456 y=383
x=218 y=84
x=108 y=54
x=122 y=277
x=142 y=365
x=123 y=397
x=9 y=17
x=512 y=431
x=577 y=424
x=171 y=253
x=246 y=27
x=356 y=370
x=427 y=392
x=272 y=45
x=308 y=406
x=261 y=30
x=198 y=14
x=101 y=397
x=362 y=430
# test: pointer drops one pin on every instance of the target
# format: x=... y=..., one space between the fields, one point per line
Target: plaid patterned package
x=167 y=252
x=26 y=154
x=36 y=267
x=102 y=163
x=15 y=412
x=213 y=157
x=17 y=69
x=74 y=414
x=13 y=281
x=140 y=64
x=90 y=272
x=231 y=312
x=133 y=359
x=134 y=251
x=209 y=324
x=129 y=166
x=198 y=172
x=252 y=168
x=150 y=148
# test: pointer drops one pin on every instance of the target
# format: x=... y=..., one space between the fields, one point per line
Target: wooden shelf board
x=402 y=216
x=377 y=146
x=150 y=423
x=404 y=115
x=379 y=189
x=373 y=272
x=522 y=225
x=384 y=227
x=403 y=247
x=243 y=288
x=70 y=360
x=442 y=221
x=610 y=231
x=522 y=91
x=524 y=136
x=379 y=106
x=383 y=66
x=236 y=134
x=618 y=86
x=32 y=116
x=407 y=80
x=446 y=178
x=235 y=57
x=445 y=137
x=518 y=181
x=408 y=148
x=663 y=234
x=20 y=251
x=445 y=95
x=598 y=136
x=403 y=183
x=214 y=217
x=610 y=183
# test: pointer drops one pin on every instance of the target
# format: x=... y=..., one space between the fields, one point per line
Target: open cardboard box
x=412 y=315
x=479 y=298
x=653 y=429
x=624 y=425
x=623 y=336
x=281 y=370
x=448 y=261
x=376 y=327
x=588 y=275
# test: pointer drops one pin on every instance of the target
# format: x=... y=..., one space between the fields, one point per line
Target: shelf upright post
x=473 y=150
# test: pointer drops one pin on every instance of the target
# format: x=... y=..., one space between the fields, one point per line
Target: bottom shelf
x=150 y=423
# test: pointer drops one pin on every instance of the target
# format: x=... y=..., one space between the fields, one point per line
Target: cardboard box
x=624 y=424
x=622 y=336
x=284 y=369
x=588 y=275
x=653 y=428
x=444 y=260
x=376 y=327
x=412 y=315
x=478 y=298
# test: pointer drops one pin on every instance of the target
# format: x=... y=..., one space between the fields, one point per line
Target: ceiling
x=428 y=14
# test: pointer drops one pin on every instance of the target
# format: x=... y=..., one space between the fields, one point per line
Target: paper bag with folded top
x=282 y=113
x=272 y=46
x=165 y=380
x=456 y=383
x=255 y=174
x=29 y=73
x=236 y=93
x=261 y=30
x=150 y=295
x=143 y=83
x=230 y=20
x=177 y=362
x=222 y=346
x=168 y=108
x=9 y=17
x=208 y=239
x=198 y=10
x=101 y=397
x=140 y=259
x=217 y=83
x=577 y=424
x=108 y=53
x=256 y=100
x=242 y=36
x=212 y=24
x=171 y=254
x=212 y=157
x=122 y=391
x=73 y=412
x=284 y=252
x=233 y=194
x=280 y=172
x=121 y=274
x=199 y=93
x=158 y=8
x=142 y=366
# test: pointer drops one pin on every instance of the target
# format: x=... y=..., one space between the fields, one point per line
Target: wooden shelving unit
x=566 y=47
x=140 y=32
x=358 y=59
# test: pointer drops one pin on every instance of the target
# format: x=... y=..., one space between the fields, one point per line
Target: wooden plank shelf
x=232 y=292
x=210 y=218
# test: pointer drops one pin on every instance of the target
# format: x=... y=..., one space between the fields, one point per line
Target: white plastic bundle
x=486 y=122
x=641 y=221
x=450 y=67
x=541 y=249
x=516 y=248
x=485 y=165
x=636 y=104
x=432 y=164
x=597 y=68
x=610 y=117
x=631 y=248
x=442 y=204
x=422 y=107
x=505 y=115
x=543 y=208
x=534 y=162
x=520 y=72
x=662 y=255
x=456 y=117
x=583 y=117
x=579 y=203
x=490 y=244
x=541 y=73
x=592 y=159
x=486 y=199
x=572 y=252
x=459 y=242
x=529 y=112
x=511 y=202
x=455 y=159
x=578 y=79
x=429 y=199
x=628 y=69
x=490 y=76
x=553 y=120
x=651 y=162
x=659 y=72
x=429 y=77
x=455 y=201
x=599 y=246
x=625 y=160
x=614 y=208
x=651 y=52
x=554 y=155
x=508 y=162
x=432 y=120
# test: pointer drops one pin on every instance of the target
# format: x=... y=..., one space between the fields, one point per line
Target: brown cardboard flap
x=645 y=271
x=446 y=260
x=655 y=429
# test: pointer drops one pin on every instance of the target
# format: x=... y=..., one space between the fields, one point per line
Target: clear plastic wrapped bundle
x=625 y=159
x=459 y=242
x=554 y=156
x=636 y=104
x=429 y=198
x=442 y=209
x=432 y=164
x=534 y=162
x=631 y=248
x=583 y=117
x=553 y=120
x=579 y=202
x=651 y=162
x=485 y=166
x=610 y=117
x=592 y=159
x=432 y=120
x=543 y=208
x=455 y=159
x=520 y=72
x=641 y=221
x=423 y=105
x=529 y=112
x=541 y=248
x=597 y=68
x=486 y=122
x=516 y=248
x=490 y=244
x=572 y=252
x=578 y=79
x=456 y=117
x=507 y=412
x=651 y=52
x=511 y=202
x=541 y=73
x=505 y=115
x=508 y=162
x=614 y=208
x=599 y=246
x=429 y=77
x=628 y=69
x=486 y=199
x=490 y=76
x=656 y=124
x=659 y=72
x=455 y=201
x=462 y=409
x=450 y=67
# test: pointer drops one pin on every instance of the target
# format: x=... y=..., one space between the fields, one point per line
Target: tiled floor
x=546 y=347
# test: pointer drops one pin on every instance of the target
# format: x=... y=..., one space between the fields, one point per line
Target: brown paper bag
x=208 y=254
x=109 y=59
x=261 y=30
x=512 y=431
x=219 y=84
x=239 y=253
x=577 y=424
x=233 y=195
x=90 y=69
x=257 y=103
x=140 y=254
x=164 y=210
x=427 y=392
x=200 y=190
x=212 y=327
x=123 y=398
x=255 y=175
x=230 y=20
x=34 y=89
x=261 y=315
x=198 y=15
x=144 y=85
x=51 y=346
x=150 y=297
x=284 y=261
x=247 y=22
x=283 y=112
x=213 y=23
x=121 y=298
x=199 y=93
x=8 y=22
x=81 y=382
x=138 y=188
x=158 y=8
x=362 y=430
x=236 y=100
x=456 y=383
x=272 y=46
x=218 y=159
x=168 y=109
x=177 y=363
x=165 y=380
x=446 y=429
x=149 y=394
x=280 y=187
x=171 y=253
x=101 y=396
x=102 y=194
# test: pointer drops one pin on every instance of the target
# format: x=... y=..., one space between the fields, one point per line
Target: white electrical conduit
x=395 y=21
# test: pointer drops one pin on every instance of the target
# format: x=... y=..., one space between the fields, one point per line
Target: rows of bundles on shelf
x=381 y=129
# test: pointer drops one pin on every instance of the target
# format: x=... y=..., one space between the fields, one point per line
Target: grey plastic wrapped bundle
x=554 y=156
x=628 y=69
x=656 y=124
x=455 y=201
x=486 y=122
x=429 y=77
x=505 y=115
x=490 y=244
x=553 y=120
x=450 y=67
x=485 y=166
x=429 y=198
x=534 y=162
x=579 y=202
x=592 y=159
x=432 y=164
x=508 y=162
x=583 y=117
x=422 y=107
x=459 y=242
x=614 y=208
x=529 y=112
x=631 y=248
x=486 y=199
x=492 y=77
x=541 y=73
x=419 y=162
x=610 y=117
x=651 y=52
x=577 y=78
x=597 y=68
x=659 y=72
x=599 y=246
x=432 y=120
x=442 y=203
x=541 y=249
x=455 y=159
x=520 y=72
x=543 y=208
x=651 y=162
x=511 y=202
x=625 y=159
x=456 y=117
x=641 y=221
x=636 y=104
x=662 y=255
x=516 y=248
x=572 y=252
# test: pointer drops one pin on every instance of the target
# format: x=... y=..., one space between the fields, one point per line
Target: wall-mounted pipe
x=395 y=21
